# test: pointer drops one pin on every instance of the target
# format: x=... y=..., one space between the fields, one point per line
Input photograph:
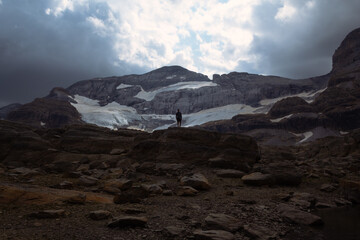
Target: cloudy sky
x=48 y=43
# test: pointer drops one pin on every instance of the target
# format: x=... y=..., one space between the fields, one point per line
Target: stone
x=128 y=221
x=327 y=187
x=166 y=168
x=342 y=202
x=26 y=172
x=117 y=151
x=77 y=199
x=167 y=193
x=257 y=179
x=284 y=173
x=229 y=173
x=83 y=168
x=121 y=184
x=351 y=189
x=186 y=191
x=213 y=235
x=259 y=232
x=152 y=188
x=219 y=221
x=88 y=181
x=297 y=216
x=99 y=215
x=173 y=231
x=303 y=199
x=324 y=205
x=147 y=167
x=197 y=181
x=48 y=214
x=132 y=195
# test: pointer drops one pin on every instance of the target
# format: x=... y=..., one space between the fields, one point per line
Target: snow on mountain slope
x=148 y=96
x=111 y=116
x=114 y=115
x=212 y=114
x=122 y=86
x=307 y=96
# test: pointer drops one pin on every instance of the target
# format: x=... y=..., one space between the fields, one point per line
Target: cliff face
x=52 y=111
x=346 y=62
x=293 y=120
x=169 y=91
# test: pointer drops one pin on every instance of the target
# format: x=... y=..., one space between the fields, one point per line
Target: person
x=178 y=118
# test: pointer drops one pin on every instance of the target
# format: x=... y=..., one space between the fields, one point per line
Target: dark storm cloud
x=40 y=51
x=303 y=47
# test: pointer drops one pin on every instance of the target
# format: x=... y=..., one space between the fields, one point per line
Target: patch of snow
x=42 y=124
x=112 y=115
x=343 y=133
x=279 y=119
x=122 y=86
x=182 y=77
x=171 y=77
x=148 y=96
x=307 y=96
x=212 y=114
x=306 y=135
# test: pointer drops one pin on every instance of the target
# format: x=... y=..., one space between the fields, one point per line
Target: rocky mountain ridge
x=335 y=111
x=320 y=106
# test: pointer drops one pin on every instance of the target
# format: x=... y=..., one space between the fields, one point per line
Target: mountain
x=149 y=101
x=4 y=111
x=289 y=110
x=334 y=112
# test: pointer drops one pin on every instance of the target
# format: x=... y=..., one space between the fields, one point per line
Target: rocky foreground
x=86 y=182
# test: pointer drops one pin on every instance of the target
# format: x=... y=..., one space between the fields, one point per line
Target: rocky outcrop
x=46 y=112
x=346 y=62
x=4 y=111
x=193 y=146
x=289 y=106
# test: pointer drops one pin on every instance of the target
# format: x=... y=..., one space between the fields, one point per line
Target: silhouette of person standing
x=178 y=118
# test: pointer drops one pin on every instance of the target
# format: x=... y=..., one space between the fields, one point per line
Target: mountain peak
x=346 y=60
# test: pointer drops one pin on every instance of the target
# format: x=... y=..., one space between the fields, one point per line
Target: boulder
x=284 y=173
x=258 y=179
x=297 y=216
x=213 y=235
x=229 y=173
x=259 y=232
x=132 y=195
x=327 y=187
x=197 y=181
x=99 y=215
x=186 y=191
x=128 y=221
x=87 y=181
x=173 y=231
x=152 y=188
x=219 y=221
x=121 y=184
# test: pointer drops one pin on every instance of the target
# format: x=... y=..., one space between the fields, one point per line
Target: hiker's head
x=178 y=110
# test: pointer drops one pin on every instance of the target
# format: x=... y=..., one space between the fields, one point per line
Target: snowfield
x=114 y=115
x=148 y=96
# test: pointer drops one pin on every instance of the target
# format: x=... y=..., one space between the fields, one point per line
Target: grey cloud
x=303 y=48
x=39 y=51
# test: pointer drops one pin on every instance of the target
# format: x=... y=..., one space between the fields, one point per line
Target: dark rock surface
x=145 y=180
